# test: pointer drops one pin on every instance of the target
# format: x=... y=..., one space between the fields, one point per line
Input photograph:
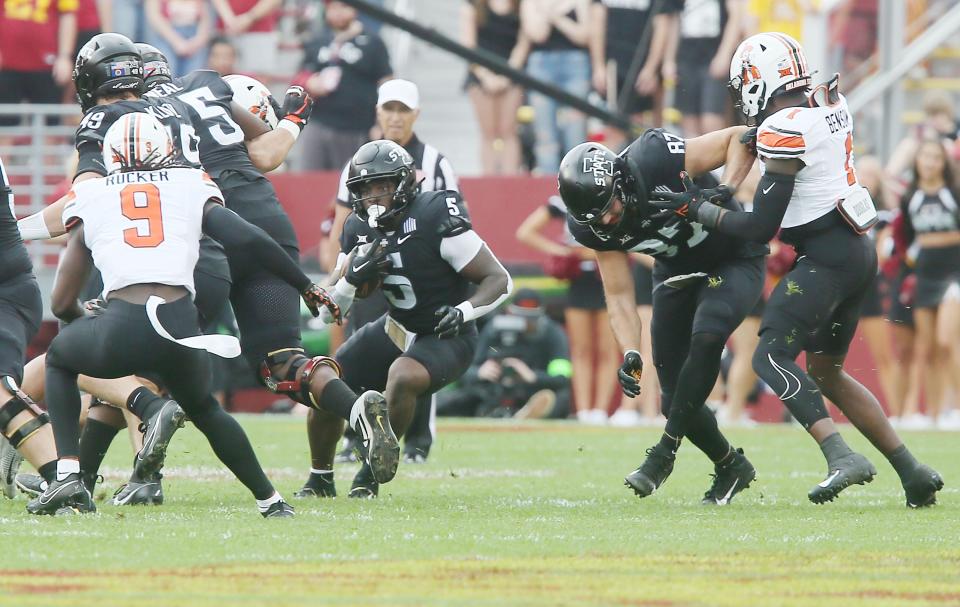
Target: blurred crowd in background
x=662 y=62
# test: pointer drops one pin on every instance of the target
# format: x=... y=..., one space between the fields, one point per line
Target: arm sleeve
x=460 y=250
x=247 y=244
x=769 y=206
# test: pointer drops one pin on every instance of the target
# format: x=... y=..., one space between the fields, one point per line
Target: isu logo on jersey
x=599 y=166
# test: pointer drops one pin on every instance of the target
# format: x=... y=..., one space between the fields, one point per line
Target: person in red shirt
x=37 y=39
x=252 y=25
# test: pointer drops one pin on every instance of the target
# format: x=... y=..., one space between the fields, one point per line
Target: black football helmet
x=591 y=175
x=156 y=68
x=377 y=160
x=107 y=64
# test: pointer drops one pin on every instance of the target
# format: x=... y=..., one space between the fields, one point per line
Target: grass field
x=501 y=515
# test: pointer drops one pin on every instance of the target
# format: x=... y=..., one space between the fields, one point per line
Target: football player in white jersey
x=141 y=225
x=809 y=189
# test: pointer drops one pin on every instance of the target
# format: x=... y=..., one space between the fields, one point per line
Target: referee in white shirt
x=398 y=107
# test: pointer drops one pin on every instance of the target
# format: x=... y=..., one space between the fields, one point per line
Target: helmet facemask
x=376 y=215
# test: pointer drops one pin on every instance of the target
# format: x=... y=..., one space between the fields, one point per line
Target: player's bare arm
x=494 y=285
x=48 y=223
x=720 y=148
x=618 y=288
x=269 y=149
x=72 y=275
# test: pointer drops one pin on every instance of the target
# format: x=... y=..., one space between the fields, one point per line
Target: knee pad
x=15 y=406
x=295 y=382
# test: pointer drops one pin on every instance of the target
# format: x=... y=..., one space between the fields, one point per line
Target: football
x=368 y=288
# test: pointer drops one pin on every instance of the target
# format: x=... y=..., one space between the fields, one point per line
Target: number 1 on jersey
x=141 y=202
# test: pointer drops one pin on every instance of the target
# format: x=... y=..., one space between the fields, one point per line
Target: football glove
x=687 y=204
x=316 y=297
x=630 y=372
x=367 y=266
x=749 y=139
x=297 y=105
x=450 y=323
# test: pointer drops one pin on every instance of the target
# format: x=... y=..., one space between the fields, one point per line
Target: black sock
x=902 y=461
x=143 y=403
x=231 y=445
x=834 y=447
x=49 y=471
x=320 y=479
x=94 y=442
x=670 y=443
x=703 y=432
x=338 y=398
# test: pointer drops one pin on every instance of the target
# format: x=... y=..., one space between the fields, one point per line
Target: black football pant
x=121 y=342
x=689 y=329
x=814 y=308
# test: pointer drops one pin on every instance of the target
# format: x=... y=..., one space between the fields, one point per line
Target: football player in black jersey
x=705 y=283
x=424 y=248
x=22 y=423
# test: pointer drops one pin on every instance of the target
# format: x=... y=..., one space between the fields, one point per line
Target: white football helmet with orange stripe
x=765 y=65
x=136 y=142
x=254 y=96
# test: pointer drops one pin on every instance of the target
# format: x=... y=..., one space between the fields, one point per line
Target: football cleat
x=318 y=485
x=853 y=469
x=729 y=479
x=10 y=460
x=139 y=492
x=68 y=496
x=921 y=489
x=382 y=446
x=653 y=472
x=157 y=432
x=348 y=454
x=31 y=485
x=414 y=457
x=365 y=486
x=279 y=509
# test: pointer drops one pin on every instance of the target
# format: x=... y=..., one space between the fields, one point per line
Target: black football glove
x=630 y=372
x=451 y=321
x=687 y=204
x=368 y=266
x=297 y=105
x=316 y=297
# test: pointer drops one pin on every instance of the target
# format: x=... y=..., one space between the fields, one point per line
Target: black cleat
x=157 y=432
x=30 y=485
x=729 y=479
x=653 y=472
x=921 y=489
x=68 y=496
x=139 y=492
x=365 y=486
x=382 y=446
x=853 y=469
x=279 y=509
x=318 y=485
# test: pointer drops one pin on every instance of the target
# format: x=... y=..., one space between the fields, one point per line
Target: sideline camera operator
x=521 y=368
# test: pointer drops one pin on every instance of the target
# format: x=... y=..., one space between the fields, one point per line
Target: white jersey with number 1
x=143 y=226
x=821 y=137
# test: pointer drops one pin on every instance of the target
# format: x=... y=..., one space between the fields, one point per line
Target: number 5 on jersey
x=141 y=203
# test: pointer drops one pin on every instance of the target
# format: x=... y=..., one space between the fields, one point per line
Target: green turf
x=502 y=515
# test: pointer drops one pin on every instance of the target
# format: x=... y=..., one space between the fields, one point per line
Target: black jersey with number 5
x=656 y=160
x=221 y=141
x=422 y=278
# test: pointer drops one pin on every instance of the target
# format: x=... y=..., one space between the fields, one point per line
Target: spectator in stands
x=707 y=29
x=931 y=219
x=127 y=17
x=594 y=352
x=222 y=56
x=252 y=27
x=521 y=367
x=494 y=25
x=559 y=31
x=37 y=40
x=617 y=28
x=342 y=67
x=180 y=29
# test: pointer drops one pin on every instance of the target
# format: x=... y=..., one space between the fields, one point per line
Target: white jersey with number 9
x=143 y=226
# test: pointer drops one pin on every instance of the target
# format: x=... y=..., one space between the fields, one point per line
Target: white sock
x=264 y=505
x=66 y=467
x=322 y=472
